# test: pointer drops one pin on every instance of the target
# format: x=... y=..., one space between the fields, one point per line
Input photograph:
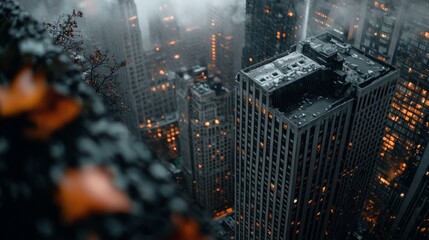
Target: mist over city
x=214 y=119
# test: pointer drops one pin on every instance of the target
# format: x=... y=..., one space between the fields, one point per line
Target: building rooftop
x=202 y=88
x=283 y=70
x=310 y=107
x=358 y=67
x=321 y=73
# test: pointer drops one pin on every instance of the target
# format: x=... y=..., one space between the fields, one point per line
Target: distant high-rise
x=226 y=40
x=108 y=34
x=139 y=85
x=342 y=15
x=308 y=128
x=272 y=27
x=160 y=127
x=206 y=122
x=379 y=27
x=398 y=203
x=165 y=35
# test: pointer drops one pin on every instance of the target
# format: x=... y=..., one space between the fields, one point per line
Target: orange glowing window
x=267 y=9
x=426 y=34
x=384 y=181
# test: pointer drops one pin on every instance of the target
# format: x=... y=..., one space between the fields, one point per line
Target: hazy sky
x=188 y=12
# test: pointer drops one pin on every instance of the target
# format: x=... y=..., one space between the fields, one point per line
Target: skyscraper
x=272 y=27
x=308 y=128
x=342 y=15
x=165 y=35
x=160 y=128
x=380 y=25
x=397 y=204
x=108 y=33
x=206 y=125
x=111 y=33
x=226 y=40
x=139 y=84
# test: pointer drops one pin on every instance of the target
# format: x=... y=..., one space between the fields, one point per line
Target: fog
x=188 y=13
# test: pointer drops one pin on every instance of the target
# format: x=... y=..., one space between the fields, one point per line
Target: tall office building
x=160 y=128
x=272 y=27
x=308 y=128
x=397 y=205
x=107 y=33
x=342 y=15
x=226 y=40
x=380 y=24
x=165 y=35
x=139 y=84
x=194 y=45
x=103 y=32
x=206 y=122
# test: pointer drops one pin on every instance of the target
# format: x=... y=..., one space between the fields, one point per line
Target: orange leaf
x=25 y=93
x=186 y=229
x=53 y=114
x=90 y=190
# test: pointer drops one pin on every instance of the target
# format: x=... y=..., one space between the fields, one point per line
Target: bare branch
x=100 y=69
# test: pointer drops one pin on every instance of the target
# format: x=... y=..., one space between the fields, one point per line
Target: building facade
x=206 y=125
x=226 y=40
x=272 y=27
x=380 y=24
x=308 y=128
x=342 y=15
x=165 y=35
x=397 y=205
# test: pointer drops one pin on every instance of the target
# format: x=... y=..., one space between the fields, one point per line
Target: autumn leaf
x=186 y=229
x=53 y=114
x=25 y=93
x=89 y=190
